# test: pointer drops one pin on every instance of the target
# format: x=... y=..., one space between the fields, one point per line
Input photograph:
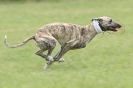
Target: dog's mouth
x=114 y=28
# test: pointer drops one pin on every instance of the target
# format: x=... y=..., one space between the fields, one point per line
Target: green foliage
x=106 y=62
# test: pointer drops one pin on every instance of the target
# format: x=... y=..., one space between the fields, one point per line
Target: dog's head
x=107 y=24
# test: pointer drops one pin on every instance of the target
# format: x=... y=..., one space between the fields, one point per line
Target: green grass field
x=106 y=62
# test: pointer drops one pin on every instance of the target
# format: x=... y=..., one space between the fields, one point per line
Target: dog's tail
x=18 y=45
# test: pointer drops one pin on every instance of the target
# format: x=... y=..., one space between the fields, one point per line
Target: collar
x=96 y=26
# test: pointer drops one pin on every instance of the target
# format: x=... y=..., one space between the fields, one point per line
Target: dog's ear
x=97 y=19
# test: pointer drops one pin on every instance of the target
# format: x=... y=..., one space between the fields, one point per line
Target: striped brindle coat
x=69 y=36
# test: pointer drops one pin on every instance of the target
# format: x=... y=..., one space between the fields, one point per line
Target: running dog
x=70 y=37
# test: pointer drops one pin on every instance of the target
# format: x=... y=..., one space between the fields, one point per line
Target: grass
x=105 y=63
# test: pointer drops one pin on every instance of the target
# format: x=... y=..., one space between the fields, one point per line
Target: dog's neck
x=96 y=26
x=91 y=31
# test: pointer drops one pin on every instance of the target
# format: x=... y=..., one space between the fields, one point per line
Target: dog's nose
x=119 y=26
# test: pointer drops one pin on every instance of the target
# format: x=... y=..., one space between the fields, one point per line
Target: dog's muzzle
x=114 y=27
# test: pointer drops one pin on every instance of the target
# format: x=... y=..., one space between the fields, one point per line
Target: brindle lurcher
x=69 y=36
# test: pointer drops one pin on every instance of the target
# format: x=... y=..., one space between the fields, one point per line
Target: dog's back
x=62 y=32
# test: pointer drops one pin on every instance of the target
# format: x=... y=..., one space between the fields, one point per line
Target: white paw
x=61 y=60
x=45 y=67
x=50 y=58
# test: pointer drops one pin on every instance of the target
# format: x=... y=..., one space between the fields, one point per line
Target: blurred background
x=106 y=62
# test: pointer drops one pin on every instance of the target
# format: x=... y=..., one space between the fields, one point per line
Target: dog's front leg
x=66 y=47
x=63 y=50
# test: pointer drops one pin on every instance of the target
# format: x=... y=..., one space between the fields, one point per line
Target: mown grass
x=105 y=63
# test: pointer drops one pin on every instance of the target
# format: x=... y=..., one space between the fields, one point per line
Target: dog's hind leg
x=40 y=53
x=47 y=58
x=46 y=43
x=51 y=43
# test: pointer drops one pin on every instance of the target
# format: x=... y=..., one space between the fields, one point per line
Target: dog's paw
x=45 y=67
x=50 y=58
x=61 y=60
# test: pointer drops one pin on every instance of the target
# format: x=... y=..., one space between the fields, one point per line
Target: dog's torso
x=66 y=32
x=70 y=37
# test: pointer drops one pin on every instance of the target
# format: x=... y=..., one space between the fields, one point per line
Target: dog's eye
x=110 y=21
